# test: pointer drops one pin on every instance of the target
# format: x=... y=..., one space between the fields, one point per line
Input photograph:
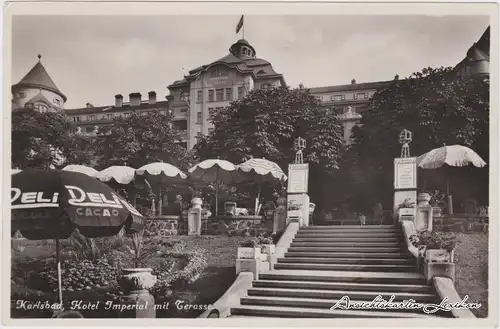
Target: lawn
x=471 y=258
x=220 y=273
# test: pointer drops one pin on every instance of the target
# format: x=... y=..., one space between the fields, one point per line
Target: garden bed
x=196 y=272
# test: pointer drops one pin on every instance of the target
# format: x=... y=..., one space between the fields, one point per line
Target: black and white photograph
x=252 y=164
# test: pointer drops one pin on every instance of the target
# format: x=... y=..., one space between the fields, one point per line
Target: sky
x=92 y=58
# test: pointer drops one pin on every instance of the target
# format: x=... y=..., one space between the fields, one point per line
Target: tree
x=439 y=107
x=266 y=123
x=141 y=139
x=38 y=139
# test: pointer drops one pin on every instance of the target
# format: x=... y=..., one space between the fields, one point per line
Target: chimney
x=135 y=99
x=396 y=77
x=353 y=81
x=152 y=97
x=118 y=100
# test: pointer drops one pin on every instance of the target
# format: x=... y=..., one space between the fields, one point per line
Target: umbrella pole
x=160 y=202
x=216 y=198
x=59 y=279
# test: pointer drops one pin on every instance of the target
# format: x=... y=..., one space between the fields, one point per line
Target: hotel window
x=57 y=101
x=211 y=95
x=211 y=112
x=92 y=117
x=22 y=94
x=109 y=116
x=199 y=95
x=361 y=96
x=198 y=117
x=219 y=95
x=265 y=86
x=240 y=92
x=185 y=96
x=183 y=110
x=338 y=97
x=76 y=119
x=229 y=94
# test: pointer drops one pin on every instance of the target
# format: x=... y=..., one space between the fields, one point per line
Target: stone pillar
x=424 y=214
x=279 y=221
x=137 y=301
x=194 y=217
x=405 y=182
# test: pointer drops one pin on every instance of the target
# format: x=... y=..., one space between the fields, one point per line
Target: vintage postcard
x=215 y=164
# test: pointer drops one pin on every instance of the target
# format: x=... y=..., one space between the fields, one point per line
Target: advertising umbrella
x=81 y=169
x=261 y=171
x=117 y=176
x=50 y=204
x=454 y=156
x=160 y=174
x=215 y=170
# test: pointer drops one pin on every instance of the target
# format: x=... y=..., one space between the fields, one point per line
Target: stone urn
x=281 y=201
x=136 y=279
x=196 y=203
x=312 y=206
x=423 y=199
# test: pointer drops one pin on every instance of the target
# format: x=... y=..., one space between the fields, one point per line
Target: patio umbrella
x=261 y=171
x=159 y=174
x=117 y=176
x=51 y=204
x=120 y=177
x=81 y=169
x=454 y=156
x=15 y=171
x=215 y=170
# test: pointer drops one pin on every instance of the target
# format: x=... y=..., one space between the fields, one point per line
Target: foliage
x=257 y=242
x=266 y=123
x=407 y=203
x=439 y=107
x=437 y=197
x=138 y=139
x=38 y=138
x=434 y=240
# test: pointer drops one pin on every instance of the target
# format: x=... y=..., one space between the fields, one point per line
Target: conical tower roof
x=38 y=77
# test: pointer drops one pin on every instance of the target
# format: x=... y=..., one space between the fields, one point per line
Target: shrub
x=407 y=203
x=434 y=240
x=250 y=243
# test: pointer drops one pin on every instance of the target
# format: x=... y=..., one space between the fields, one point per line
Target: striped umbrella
x=81 y=169
x=454 y=155
x=159 y=174
x=215 y=170
x=117 y=176
x=261 y=171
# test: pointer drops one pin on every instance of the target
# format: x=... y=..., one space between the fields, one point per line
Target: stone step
x=337 y=294
x=343 y=238
x=345 y=276
x=395 y=244
x=322 y=304
x=348 y=249
x=349 y=235
x=321 y=260
x=297 y=312
x=351 y=230
x=354 y=255
x=344 y=227
x=344 y=267
x=348 y=286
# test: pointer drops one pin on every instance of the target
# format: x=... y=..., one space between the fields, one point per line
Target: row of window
x=215 y=95
x=109 y=116
x=56 y=101
x=341 y=97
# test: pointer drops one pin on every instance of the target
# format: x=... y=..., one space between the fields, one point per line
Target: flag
x=240 y=24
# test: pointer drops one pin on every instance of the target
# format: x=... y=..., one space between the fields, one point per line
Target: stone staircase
x=325 y=263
